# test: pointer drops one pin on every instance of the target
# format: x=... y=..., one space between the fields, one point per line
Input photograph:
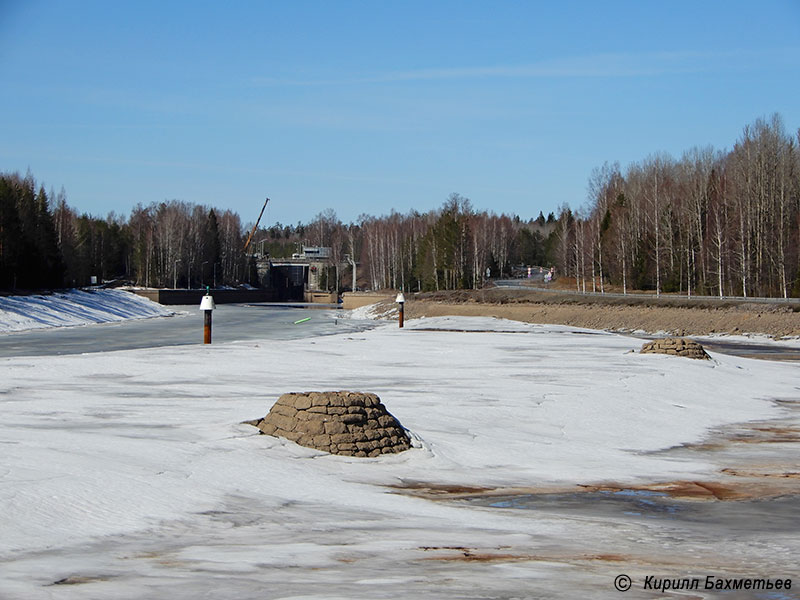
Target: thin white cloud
x=601 y=65
x=597 y=65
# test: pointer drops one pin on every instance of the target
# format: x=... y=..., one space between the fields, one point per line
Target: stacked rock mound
x=350 y=423
x=676 y=346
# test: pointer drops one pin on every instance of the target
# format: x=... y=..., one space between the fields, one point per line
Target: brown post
x=207 y=327
x=401 y=300
x=207 y=305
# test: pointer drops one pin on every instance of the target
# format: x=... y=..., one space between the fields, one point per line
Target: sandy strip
x=756 y=319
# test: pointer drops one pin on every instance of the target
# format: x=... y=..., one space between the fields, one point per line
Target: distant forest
x=711 y=222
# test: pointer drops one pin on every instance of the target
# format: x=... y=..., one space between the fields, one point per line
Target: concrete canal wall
x=169 y=296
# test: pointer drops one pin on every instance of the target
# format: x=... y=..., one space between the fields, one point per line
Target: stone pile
x=676 y=346
x=349 y=423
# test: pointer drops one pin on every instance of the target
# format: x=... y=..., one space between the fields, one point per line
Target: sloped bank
x=75 y=307
x=594 y=313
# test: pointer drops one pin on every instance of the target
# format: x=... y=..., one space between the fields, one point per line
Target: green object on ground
x=302 y=320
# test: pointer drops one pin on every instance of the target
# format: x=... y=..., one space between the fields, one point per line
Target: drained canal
x=231 y=323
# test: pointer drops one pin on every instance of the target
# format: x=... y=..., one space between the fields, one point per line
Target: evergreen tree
x=10 y=235
x=529 y=248
x=51 y=263
x=28 y=260
x=211 y=248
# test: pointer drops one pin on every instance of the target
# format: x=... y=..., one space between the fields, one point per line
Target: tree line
x=717 y=223
x=46 y=244
x=453 y=247
x=711 y=222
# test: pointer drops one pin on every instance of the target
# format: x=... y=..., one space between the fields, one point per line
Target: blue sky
x=368 y=107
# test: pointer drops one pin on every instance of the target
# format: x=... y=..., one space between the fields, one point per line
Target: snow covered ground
x=129 y=474
x=74 y=307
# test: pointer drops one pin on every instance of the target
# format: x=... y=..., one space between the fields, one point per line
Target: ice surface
x=131 y=473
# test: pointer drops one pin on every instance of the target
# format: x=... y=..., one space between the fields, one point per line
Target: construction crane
x=253 y=230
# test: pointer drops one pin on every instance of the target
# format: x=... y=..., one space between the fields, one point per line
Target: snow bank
x=75 y=307
x=371 y=311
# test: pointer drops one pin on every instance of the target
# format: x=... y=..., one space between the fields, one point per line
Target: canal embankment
x=671 y=315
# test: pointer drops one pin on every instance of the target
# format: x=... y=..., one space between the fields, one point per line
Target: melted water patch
x=774 y=515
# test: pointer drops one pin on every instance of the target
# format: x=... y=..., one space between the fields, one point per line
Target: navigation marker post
x=207 y=305
x=401 y=300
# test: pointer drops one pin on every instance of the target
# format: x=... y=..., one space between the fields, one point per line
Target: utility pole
x=352 y=262
x=175 y=274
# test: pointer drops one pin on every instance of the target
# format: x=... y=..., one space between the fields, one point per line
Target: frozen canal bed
x=231 y=322
x=130 y=475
